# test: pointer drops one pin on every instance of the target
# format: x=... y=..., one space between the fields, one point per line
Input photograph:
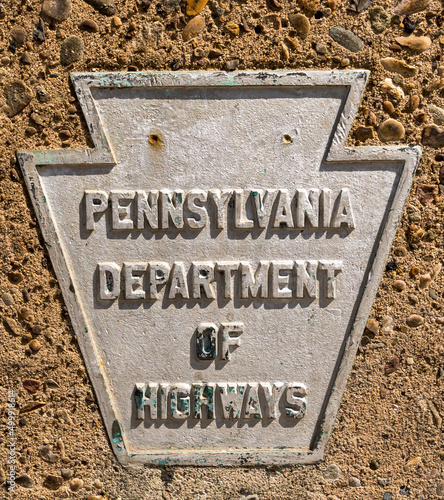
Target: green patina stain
x=116 y=433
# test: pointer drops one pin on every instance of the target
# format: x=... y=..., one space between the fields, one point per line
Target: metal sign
x=219 y=250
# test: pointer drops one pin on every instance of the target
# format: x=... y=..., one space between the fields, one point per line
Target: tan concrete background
x=388 y=433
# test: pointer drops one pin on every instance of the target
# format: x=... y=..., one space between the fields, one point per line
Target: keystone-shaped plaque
x=219 y=250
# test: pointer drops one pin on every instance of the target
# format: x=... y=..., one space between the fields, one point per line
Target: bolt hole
x=287 y=139
x=155 y=140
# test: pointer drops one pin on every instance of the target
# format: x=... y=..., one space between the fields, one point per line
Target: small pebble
x=321 y=48
x=98 y=484
x=117 y=22
x=384 y=481
x=105 y=7
x=26 y=313
x=39 y=31
x=409 y=25
x=387 y=324
x=52 y=482
x=439 y=489
x=231 y=65
x=362 y=133
x=64 y=134
x=392 y=365
x=17 y=96
x=194 y=7
x=433 y=295
x=433 y=136
x=399 y=285
x=71 y=50
x=414 y=462
x=413 y=102
x=35 y=345
x=48 y=455
x=18 y=35
x=31 y=385
x=436 y=113
x=409 y=361
x=193 y=28
x=89 y=25
x=379 y=19
x=387 y=496
x=388 y=107
x=416 y=43
x=301 y=24
x=414 y=320
x=391 y=89
x=427 y=193
x=425 y=281
x=346 y=38
x=76 y=484
x=13 y=326
x=354 y=482
x=372 y=326
x=391 y=130
x=399 y=66
x=332 y=472
x=67 y=473
x=407 y=7
x=57 y=10
x=8 y=299
x=25 y=481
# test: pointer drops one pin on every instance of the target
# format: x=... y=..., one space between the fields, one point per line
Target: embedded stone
x=379 y=19
x=414 y=101
x=414 y=320
x=17 y=96
x=413 y=42
x=391 y=89
x=194 y=7
x=364 y=133
x=71 y=50
x=57 y=10
x=346 y=38
x=53 y=482
x=301 y=24
x=89 y=25
x=18 y=35
x=391 y=130
x=332 y=472
x=433 y=136
x=407 y=7
x=25 y=481
x=193 y=28
x=427 y=193
x=76 y=484
x=399 y=285
x=436 y=113
x=425 y=280
x=398 y=66
x=105 y=7
x=388 y=107
x=31 y=385
x=392 y=365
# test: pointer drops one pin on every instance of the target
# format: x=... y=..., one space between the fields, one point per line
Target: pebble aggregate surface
x=387 y=441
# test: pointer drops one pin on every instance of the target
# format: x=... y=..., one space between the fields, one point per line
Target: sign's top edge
x=215 y=78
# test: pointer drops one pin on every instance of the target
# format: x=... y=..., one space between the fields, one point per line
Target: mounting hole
x=155 y=140
x=287 y=139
